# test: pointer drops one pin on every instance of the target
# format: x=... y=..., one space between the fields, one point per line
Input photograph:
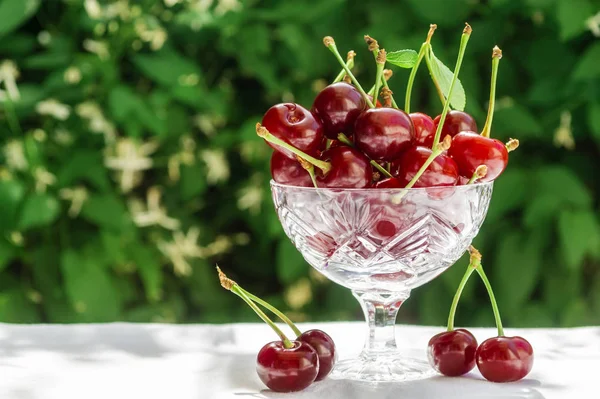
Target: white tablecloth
x=149 y=361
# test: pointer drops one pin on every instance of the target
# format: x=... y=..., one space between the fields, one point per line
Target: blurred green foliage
x=129 y=163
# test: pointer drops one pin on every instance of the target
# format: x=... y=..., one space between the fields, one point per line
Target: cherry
x=349 y=169
x=504 y=359
x=289 y=171
x=337 y=106
x=287 y=369
x=442 y=171
x=452 y=353
x=383 y=133
x=321 y=342
x=424 y=129
x=456 y=122
x=295 y=125
x=469 y=150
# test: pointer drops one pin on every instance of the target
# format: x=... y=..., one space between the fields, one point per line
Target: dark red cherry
x=349 y=169
x=442 y=171
x=504 y=359
x=295 y=125
x=337 y=106
x=470 y=149
x=452 y=353
x=383 y=133
x=390 y=182
x=424 y=129
x=289 y=171
x=287 y=370
x=456 y=122
x=323 y=344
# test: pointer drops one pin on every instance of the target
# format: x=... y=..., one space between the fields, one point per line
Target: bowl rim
x=273 y=183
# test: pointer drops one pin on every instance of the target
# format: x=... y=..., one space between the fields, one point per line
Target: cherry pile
x=287 y=365
x=355 y=139
x=499 y=359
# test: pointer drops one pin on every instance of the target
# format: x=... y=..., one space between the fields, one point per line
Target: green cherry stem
x=345 y=140
x=413 y=73
x=461 y=53
x=438 y=88
x=459 y=290
x=262 y=132
x=232 y=286
x=479 y=173
x=330 y=44
x=496 y=56
x=488 y=287
x=273 y=309
x=381 y=56
x=310 y=168
x=349 y=64
x=441 y=147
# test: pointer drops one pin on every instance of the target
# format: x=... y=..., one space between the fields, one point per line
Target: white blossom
x=77 y=195
x=216 y=163
x=225 y=6
x=593 y=24
x=183 y=246
x=93 y=9
x=299 y=294
x=129 y=159
x=250 y=198
x=152 y=213
x=563 y=135
x=72 y=75
x=43 y=179
x=98 y=123
x=53 y=108
x=14 y=153
x=97 y=47
x=9 y=73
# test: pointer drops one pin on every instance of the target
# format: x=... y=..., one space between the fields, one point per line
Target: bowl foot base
x=388 y=367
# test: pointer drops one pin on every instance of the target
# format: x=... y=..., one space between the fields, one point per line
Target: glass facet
x=381 y=243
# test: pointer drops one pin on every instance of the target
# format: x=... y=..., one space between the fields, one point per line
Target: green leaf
x=166 y=67
x=403 y=58
x=11 y=194
x=148 y=264
x=594 y=120
x=84 y=166
x=442 y=12
x=541 y=210
x=443 y=75
x=106 y=211
x=7 y=253
x=515 y=121
x=588 y=66
x=89 y=288
x=38 y=210
x=579 y=232
x=193 y=181
x=16 y=12
x=16 y=308
x=562 y=183
x=571 y=16
x=290 y=264
x=517 y=267
x=510 y=193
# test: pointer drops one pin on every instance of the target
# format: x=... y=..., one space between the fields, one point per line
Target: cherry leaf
x=443 y=75
x=403 y=58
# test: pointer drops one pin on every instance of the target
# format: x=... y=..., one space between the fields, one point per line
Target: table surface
x=150 y=361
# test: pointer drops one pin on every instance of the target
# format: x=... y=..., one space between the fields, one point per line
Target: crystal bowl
x=381 y=243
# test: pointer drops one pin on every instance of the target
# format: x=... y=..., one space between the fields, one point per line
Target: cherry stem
x=232 y=286
x=496 y=56
x=438 y=88
x=261 y=131
x=349 y=64
x=345 y=140
x=459 y=290
x=512 y=145
x=413 y=72
x=273 y=309
x=441 y=147
x=461 y=53
x=330 y=44
x=479 y=173
x=488 y=287
x=310 y=168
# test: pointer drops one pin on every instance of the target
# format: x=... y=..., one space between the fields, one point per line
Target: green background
x=172 y=90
